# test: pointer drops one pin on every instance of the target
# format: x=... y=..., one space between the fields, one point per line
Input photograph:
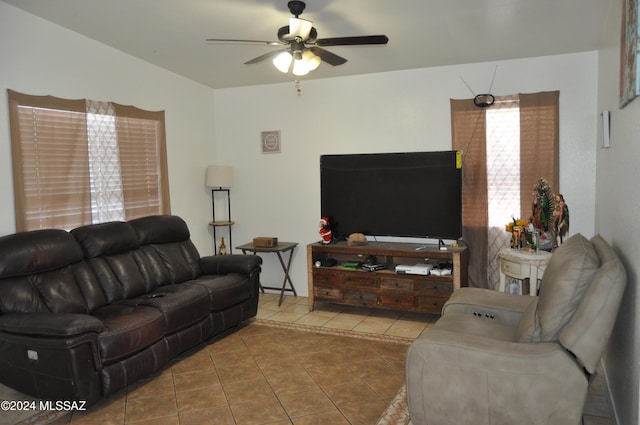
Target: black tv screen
x=416 y=194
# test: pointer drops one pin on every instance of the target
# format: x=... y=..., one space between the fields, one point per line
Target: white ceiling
x=422 y=33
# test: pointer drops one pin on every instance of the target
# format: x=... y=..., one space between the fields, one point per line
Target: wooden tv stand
x=385 y=288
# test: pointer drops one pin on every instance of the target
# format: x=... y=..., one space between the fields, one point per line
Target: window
x=506 y=149
x=78 y=162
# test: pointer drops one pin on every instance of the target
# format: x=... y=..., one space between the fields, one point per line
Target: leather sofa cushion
x=119 y=276
x=54 y=291
x=181 y=305
x=566 y=278
x=225 y=291
x=160 y=229
x=169 y=255
x=28 y=253
x=127 y=330
x=106 y=238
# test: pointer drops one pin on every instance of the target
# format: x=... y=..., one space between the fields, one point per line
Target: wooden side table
x=279 y=249
x=519 y=264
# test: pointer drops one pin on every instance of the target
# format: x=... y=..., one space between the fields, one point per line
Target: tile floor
x=295 y=310
x=190 y=378
x=262 y=375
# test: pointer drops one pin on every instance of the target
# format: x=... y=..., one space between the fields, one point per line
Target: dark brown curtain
x=468 y=130
x=539 y=141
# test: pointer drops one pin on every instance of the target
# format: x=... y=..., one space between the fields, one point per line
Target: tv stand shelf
x=385 y=288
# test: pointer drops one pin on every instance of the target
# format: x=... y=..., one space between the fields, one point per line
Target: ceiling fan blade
x=353 y=41
x=265 y=56
x=235 y=41
x=327 y=56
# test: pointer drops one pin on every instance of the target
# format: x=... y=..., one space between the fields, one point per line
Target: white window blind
x=78 y=162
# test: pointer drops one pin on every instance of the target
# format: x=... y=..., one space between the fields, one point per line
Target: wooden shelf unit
x=385 y=288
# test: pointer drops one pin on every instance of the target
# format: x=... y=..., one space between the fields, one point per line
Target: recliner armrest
x=481 y=302
x=49 y=324
x=225 y=264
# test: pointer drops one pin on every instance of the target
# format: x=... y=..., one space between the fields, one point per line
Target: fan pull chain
x=298 y=89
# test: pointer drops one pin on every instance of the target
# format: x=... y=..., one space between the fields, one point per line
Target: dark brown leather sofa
x=83 y=314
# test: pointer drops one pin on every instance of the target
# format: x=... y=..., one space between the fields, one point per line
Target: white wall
x=279 y=194
x=617 y=206
x=44 y=59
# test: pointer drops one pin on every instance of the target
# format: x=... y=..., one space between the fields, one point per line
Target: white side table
x=519 y=264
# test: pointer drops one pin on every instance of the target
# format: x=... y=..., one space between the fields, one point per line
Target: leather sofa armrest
x=49 y=324
x=225 y=264
x=506 y=308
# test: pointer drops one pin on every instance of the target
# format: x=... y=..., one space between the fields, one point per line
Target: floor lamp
x=220 y=179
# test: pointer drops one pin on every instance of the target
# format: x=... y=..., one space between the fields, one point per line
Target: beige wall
x=44 y=59
x=279 y=194
x=617 y=219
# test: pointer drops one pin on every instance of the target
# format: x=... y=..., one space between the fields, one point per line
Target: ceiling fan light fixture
x=283 y=62
x=313 y=60
x=300 y=67
x=300 y=28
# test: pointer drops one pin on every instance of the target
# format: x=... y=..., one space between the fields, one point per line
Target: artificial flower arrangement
x=516 y=222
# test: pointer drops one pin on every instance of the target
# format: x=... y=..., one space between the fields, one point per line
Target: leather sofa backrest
x=165 y=242
x=567 y=277
x=111 y=251
x=588 y=332
x=38 y=272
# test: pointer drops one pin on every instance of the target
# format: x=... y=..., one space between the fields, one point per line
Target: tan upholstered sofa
x=500 y=359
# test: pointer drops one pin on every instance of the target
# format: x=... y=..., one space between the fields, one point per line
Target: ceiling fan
x=302 y=47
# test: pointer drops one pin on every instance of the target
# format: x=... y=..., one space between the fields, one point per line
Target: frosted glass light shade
x=300 y=67
x=283 y=61
x=313 y=60
x=219 y=176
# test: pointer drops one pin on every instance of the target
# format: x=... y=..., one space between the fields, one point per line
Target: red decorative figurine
x=325 y=231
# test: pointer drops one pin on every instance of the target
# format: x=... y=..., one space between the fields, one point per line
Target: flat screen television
x=415 y=194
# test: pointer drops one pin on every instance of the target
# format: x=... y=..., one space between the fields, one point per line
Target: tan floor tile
x=386 y=386
x=287 y=382
x=151 y=408
x=233 y=359
x=159 y=384
x=200 y=399
x=313 y=320
x=407 y=330
x=107 y=412
x=231 y=343
x=295 y=308
x=193 y=364
x=342 y=323
x=220 y=415
x=195 y=380
x=364 y=414
x=331 y=375
x=257 y=412
x=169 y=420
x=372 y=327
x=306 y=403
x=348 y=393
x=234 y=374
x=243 y=391
x=333 y=417
x=283 y=316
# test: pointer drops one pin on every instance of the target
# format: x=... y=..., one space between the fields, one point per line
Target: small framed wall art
x=629 y=59
x=270 y=141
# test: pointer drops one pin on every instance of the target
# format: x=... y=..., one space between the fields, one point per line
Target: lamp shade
x=219 y=176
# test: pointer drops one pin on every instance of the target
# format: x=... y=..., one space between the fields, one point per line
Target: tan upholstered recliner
x=500 y=359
